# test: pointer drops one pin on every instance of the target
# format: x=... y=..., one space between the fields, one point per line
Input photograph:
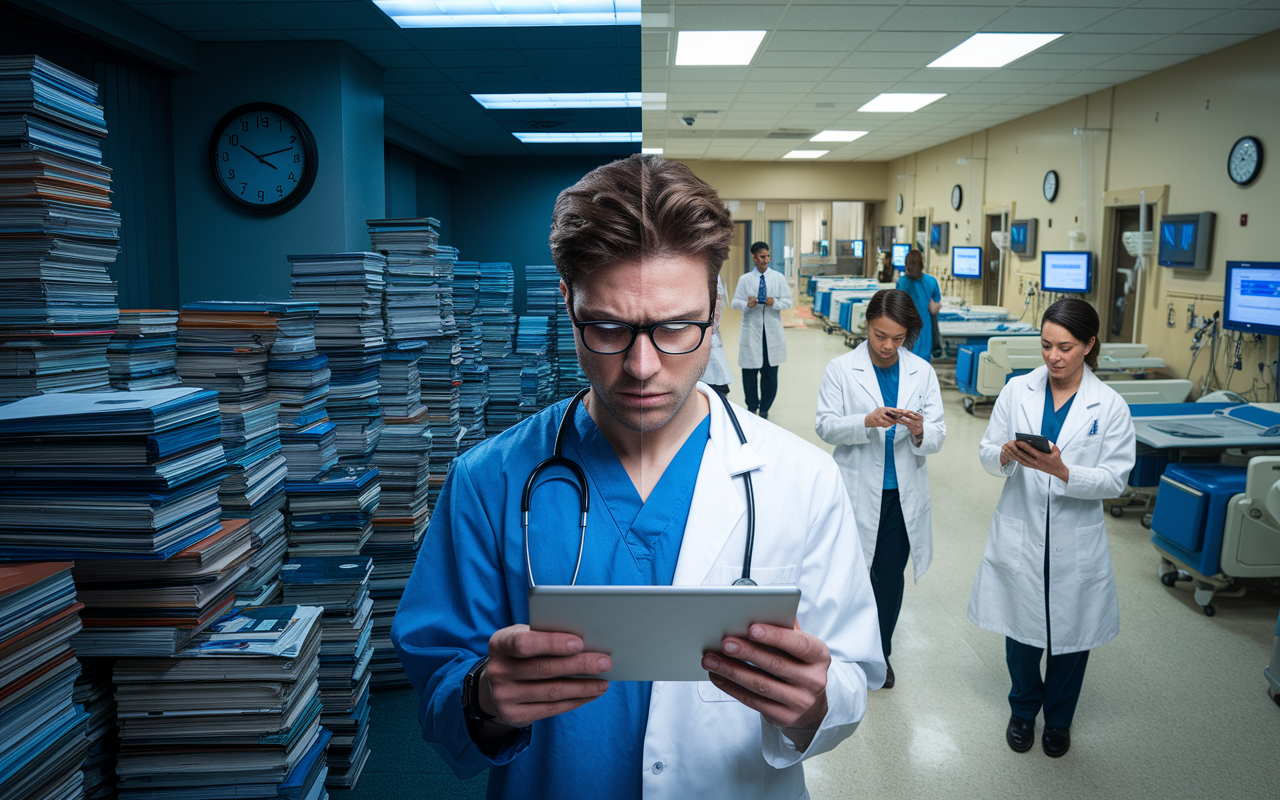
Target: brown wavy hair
x=635 y=208
x=1081 y=321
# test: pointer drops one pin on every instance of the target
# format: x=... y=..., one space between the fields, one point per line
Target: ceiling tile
x=815 y=40
x=685 y=74
x=793 y=58
x=868 y=74
x=190 y=17
x=396 y=59
x=349 y=15
x=1144 y=62
x=967 y=17
x=789 y=74
x=361 y=40
x=1029 y=75
x=1113 y=77
x=1066 y=17
x=888 y=60
x=1137 y=20
x=1059 y=61
x=838 y=16
x=1243 y=22
x=1113 y=43
x=727 y=17
x=654 y=41
x=898 y=42
x=1197 y=44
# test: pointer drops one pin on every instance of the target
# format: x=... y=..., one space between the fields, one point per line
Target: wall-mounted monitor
x=900 y=255
x=966 y=262
x=1251 y=298
x=939 y=236
x=859 y=248
x=1069 y=271
x=1186 y=240
x=1022 y=238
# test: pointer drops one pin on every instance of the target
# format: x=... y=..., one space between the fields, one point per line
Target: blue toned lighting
x=548 y=137
x=509 y=13
x=562 y=100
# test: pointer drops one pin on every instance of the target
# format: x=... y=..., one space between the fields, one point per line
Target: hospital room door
x=1118 y=284
x=778 y=245
x=991 y=261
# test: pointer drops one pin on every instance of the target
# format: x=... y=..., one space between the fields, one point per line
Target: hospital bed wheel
x=1169 y=579
x=1146 y=521
x=1117 y=511
x=1209 y=611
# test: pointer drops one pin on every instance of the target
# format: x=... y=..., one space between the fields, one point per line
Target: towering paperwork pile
x=332 y=514
x=57 y=232
x=496 y=307
x=473 y=399
x=143 y=352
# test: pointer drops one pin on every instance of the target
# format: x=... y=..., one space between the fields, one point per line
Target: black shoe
x=888 y=675
x=764 y=414
x=1056 y=742
x=1021 y=733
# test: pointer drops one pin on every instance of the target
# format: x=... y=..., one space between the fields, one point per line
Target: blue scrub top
x=888 y=379
x=922 y=291
x=470 y=580
x=1051 y=421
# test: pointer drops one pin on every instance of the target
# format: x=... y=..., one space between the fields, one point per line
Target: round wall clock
x=1245 y=161
x=899 y=203
x=1051 y=185
x=957 y=197
x=264 y=157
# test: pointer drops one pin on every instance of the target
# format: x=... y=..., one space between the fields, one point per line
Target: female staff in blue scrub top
x=881 y=407
x=925 y=293
x=638 y=244
x=1045 y=580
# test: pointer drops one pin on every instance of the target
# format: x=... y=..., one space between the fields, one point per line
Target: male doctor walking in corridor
x=761 y=296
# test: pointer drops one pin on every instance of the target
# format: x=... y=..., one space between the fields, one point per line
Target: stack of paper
x=496 y=307
x=42 y=729
x=143 y=352
x=349 y=330
x=57 y=232
x=569 y=377
x=310 y=450
x=332 y=514
x=542 y=299
x=504 y=394
x=535 y=339
x=474 y=397
x=441 y=369
x=400 y=383
x=95 y=692
x=341 y=585
x=235 y=715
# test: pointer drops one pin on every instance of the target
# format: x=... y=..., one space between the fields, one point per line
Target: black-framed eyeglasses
x=675 y=337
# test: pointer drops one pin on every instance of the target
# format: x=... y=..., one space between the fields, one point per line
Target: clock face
x=1245 y=161
x=957 y=197
x=899 y=204
x=264 y=157
x=1051 y=185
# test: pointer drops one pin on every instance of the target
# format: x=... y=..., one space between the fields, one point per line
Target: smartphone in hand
x=1035 y=440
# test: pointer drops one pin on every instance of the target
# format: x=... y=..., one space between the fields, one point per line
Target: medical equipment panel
x=966 y=262
x=1186 y=240
x=1251 y=298
x=1191 y=511
x=900 y=255
x=1022 y=238
x=1066 y=271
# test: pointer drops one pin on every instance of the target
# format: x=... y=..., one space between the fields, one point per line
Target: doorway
x=993 y=256
x=1120 y=276
x=739 y=261
x=778 y=245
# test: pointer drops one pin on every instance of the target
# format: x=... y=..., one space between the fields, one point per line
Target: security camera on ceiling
x=688 y=119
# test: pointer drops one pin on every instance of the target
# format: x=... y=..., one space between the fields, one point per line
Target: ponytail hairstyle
x=1080 y=320
x=897 y=306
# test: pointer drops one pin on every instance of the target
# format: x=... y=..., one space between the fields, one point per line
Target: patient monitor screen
x=1066 y=271
x=900 y=255
x=1253 y=297
x=966 y=262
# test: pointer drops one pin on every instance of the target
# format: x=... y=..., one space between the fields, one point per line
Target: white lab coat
x=1097 y=444
x=750 y=354
x=849 y=392
x=708 y=744
x=718 y=371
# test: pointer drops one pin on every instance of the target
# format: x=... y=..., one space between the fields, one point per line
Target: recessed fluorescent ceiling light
x=717 y=48
x=900 y=103
x=992 y=50
x=546 y=137
x=562 y=100
x=509 y=13
x=651 y=151
x=838 y=136
x=806 y=153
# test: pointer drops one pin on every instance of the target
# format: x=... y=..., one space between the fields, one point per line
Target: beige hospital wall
x=1172 y=128
x=844 y=180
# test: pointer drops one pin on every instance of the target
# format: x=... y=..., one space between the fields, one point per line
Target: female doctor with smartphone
x=1045 y=580
x=881 y=407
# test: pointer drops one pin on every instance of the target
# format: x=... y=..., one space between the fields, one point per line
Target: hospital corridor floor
x=1176 y=706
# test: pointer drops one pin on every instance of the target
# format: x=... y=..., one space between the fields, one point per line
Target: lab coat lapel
x=1032 y=405
x=1084 y=409
x=717 y=510
x=864 y=374
x=909 y=379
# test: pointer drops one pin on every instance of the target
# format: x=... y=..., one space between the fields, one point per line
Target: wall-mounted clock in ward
x=264 y=157
x=899 y=203
x=957 y=197
x=1050 y=187
x=1245 y=161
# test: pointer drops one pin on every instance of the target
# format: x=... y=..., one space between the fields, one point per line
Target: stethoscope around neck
x=558 y=459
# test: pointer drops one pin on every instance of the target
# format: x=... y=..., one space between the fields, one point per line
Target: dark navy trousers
x=887 y=566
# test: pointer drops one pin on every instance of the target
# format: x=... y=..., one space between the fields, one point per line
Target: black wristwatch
x=471 y=693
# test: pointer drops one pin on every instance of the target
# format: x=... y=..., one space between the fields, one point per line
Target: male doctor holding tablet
x=638 y=244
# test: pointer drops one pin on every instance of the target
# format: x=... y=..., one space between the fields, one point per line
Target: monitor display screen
x=935 y=236
x=900 y=255
x=1178 y=243
x=1018 y=237
x=858 y=248
x=966 y=262
x=1066 y=271
x=1252 y=297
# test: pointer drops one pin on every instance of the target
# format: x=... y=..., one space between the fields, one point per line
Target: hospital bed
x=1272 y=672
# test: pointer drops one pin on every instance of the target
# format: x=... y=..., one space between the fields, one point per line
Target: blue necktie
x=760 y=295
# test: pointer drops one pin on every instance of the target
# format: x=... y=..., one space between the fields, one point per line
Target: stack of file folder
x=505 y=379
x=535 y=339
x=496 y=306
x=332 y=514
x=474 y=396
x=42 y=728
x=400 y=383
x=349 y=329
x=95 y=692
x=341 y=586
x=143 y=352
x=57 y=232
x=441 y=369
x=569 y=377
x=236 y=714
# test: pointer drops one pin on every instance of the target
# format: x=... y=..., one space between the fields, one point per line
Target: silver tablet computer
x=659 y=633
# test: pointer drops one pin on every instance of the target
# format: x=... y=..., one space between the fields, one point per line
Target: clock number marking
x=293 y=139
x=231 y=173
x=243 y=186
x=261 y=195
x=295 y=180
x=244 y=125
x=297 y=158
x=279 y=190
x=233 y=140
x=226 y=156
x=264 y=121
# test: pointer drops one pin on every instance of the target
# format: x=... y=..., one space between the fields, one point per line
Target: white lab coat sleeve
x=832 y=424
x=783 y=298
x=739 y=296
x=1119 y=452
x=935 y=423
x=837 y=606
x=997 y=434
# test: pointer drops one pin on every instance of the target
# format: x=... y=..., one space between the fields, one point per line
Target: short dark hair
x=1081 y=321
x=914 y=258
x=758 y=246
x=898 y=306
x=638 y=207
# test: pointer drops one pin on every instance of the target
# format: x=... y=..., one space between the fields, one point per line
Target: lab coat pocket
x=1006 y=543
x=1093 y=556
x=726 y=574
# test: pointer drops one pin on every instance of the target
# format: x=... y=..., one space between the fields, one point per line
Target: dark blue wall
x=502 y=207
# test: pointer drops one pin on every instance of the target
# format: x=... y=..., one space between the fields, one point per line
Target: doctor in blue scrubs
x=638 y=244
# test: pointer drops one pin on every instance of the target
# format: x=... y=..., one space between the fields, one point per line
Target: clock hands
x=273 y=152
x=261 y=160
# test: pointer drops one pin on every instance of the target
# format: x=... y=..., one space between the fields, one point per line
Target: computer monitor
x=900 y=255
x=939 y=236
x=1251 y=299
x=1022 y=238
x=1069 y=271
x=1186 y=240
x=966 y=262
x=859 y=248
